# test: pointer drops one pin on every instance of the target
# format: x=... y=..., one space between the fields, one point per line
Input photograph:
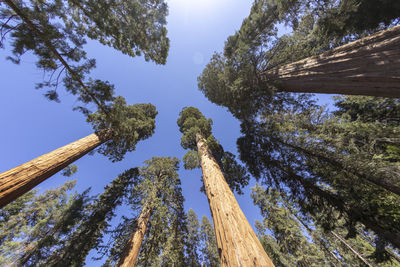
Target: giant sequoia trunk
x=237 y=243
x=21 y=179
x=369 y=66
x=132 y=248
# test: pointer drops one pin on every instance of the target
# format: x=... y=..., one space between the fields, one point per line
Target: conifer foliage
x=353 y=179
x=156 y=236
x=330 y=180
x=118 y=134
x=201 y=241
x=234 y=78
x=289 y=246
x=191 y=124
x=35 y=226
x=341 y=169
x=96 y=220
x=237 y=242
x=55 y=31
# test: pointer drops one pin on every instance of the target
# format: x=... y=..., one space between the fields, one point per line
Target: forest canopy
x=288 y=176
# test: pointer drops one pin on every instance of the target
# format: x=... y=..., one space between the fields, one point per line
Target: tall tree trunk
x=132 y=248
x=369 y=66
x=358 y=255
x=237 y=243
x=21 y=179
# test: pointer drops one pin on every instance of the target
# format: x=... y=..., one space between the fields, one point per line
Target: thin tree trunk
x=369 y=66
x=393 y=255
x=367 y=238
x=358 y=255
x=237 y=243
x=315 y=236
x=21 y=179
x=132 y=248
x=335 y=201
x=330 y=159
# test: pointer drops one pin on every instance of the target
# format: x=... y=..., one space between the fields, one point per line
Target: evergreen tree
x=327 y=164
x=328 y=248
x=201 y=242
x=193 y=238
x=33 y=227
x=209 y=249
x=225 y=210
x=330 y=165
x=96 y=220
x=55 y=32
x=69 y=170
x=251 y=73
x=174 y=250
x=156 y=237
x=117 y=132
x=291 y=247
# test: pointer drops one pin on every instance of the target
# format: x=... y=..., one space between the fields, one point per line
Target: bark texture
x=18 y=181
x=369 y=66
x=237 y=243
x=132 y=248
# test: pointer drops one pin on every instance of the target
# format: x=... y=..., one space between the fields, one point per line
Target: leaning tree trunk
x=21 y=179
x=358 y=255
x=132 y=248
x=369 y=66
x=237 y=243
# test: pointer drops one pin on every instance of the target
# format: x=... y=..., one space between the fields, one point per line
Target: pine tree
x=231 y=226
x=209 y=247
x=173 y=252
x=34 y=226
x=193 y=238
x=160 y=239
x=291 y=246
x=289 y=150
x=118 y=134
x=201 y=242
x=165 y=231
x=328 y=248
x=331 y=164
x=96 y=220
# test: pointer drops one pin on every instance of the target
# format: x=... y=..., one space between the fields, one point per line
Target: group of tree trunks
x=369 y=66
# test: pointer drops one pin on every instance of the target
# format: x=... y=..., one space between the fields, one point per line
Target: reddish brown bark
x=132 y=248
x=237 y=243
x=18 y=181
x=369 y=66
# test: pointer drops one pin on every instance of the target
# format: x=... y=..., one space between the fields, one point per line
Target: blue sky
x=32 y=125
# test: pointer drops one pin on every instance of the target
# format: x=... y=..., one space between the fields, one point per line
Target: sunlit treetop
x=127 y=125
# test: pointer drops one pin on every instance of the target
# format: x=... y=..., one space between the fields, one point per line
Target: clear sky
x=32 y=125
